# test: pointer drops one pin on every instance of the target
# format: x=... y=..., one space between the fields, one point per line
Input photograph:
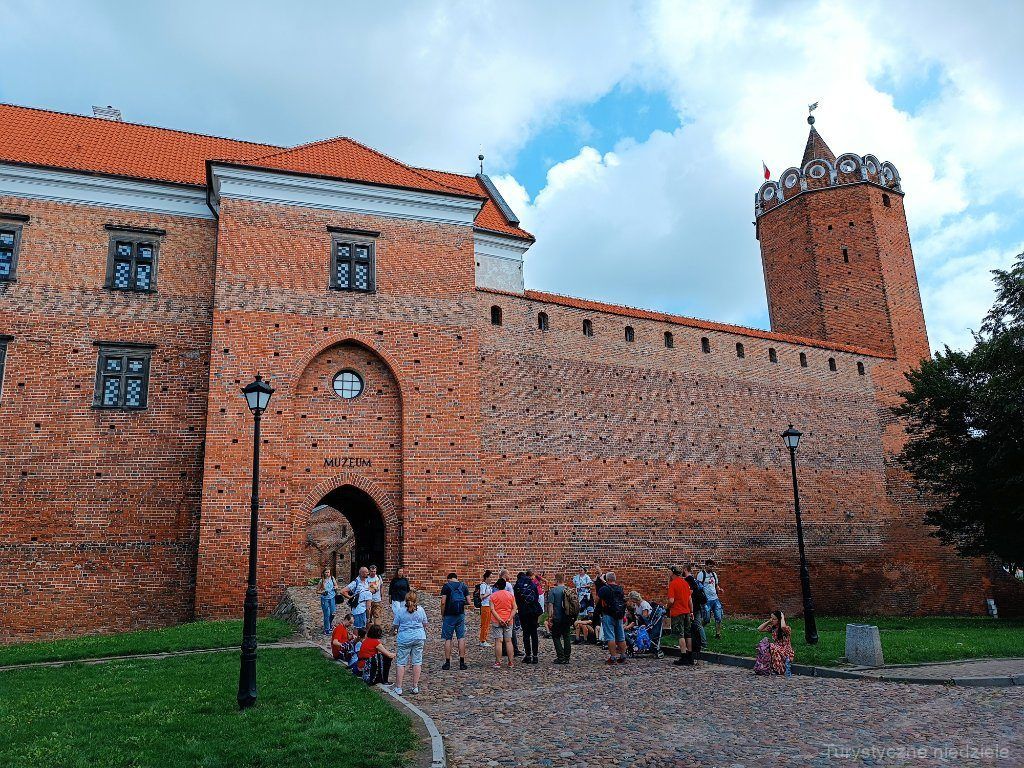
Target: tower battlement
x=822 y=173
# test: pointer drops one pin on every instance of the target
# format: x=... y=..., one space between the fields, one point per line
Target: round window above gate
x=348 y=384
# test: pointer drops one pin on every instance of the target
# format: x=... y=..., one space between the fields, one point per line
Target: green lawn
x=183 y=637
x=182 y=711
x=904 y=640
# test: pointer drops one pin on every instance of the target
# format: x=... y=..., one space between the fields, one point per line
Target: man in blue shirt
x=454 y=596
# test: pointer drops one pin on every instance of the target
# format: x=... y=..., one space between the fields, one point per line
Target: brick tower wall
x=100 y=508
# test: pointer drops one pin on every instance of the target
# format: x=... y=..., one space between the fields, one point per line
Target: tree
x=965 y=417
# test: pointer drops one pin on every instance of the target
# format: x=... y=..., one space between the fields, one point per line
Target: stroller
x=645 y=640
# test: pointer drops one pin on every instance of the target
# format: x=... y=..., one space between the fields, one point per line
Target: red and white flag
x=767 y=173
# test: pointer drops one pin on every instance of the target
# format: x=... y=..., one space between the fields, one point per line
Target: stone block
x=864 y=645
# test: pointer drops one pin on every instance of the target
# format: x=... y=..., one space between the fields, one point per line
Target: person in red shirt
x=680 y=610
x=340 y=637
x=371 y=647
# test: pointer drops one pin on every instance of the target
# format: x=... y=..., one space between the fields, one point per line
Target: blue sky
x=616 y=129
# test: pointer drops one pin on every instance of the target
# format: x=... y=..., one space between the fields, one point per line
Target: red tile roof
x=489 y=217
x=78 y=143
x=691 y=322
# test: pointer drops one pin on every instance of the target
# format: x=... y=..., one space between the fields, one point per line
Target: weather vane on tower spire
x=810 y=109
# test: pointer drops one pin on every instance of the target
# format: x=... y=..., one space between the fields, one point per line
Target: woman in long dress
x=775 y=650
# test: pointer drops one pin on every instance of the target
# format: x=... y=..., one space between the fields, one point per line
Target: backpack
x=456 y=603
x=700 y=598
x=373 y=670
x=617 y=607
x=570 y=603
x=527 y=599
x=478 y=602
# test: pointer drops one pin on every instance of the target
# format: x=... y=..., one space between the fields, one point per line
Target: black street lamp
x=792 y=438
x=257 y=396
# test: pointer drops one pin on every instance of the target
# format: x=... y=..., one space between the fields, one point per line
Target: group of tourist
x=588 y=609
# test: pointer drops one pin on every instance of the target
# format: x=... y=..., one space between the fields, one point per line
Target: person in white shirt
x=582 y=582
x=360 y=590
x=708 y=579
x=376 y=586
x=485 y=608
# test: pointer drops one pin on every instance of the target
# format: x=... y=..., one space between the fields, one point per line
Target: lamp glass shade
x=792 y=437
x=257 y=395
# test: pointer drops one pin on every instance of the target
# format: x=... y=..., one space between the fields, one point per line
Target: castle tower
x=836 y=252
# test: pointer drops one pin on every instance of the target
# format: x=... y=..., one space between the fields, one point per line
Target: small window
x=3 y=360
x=669 y=341
x=831 y=363
x=739 y=350
x=772 y=355
x=348 y=384
x=705 y=345
x=352 y=265
x=131 y=264
x=803 y=359
x=542 y=321
x=122 y=378
x=860 y=368
x=10 y=244
x=495 y=315
x=630 y=335
x=886 y=201
x=588 y=328
x=846 y=255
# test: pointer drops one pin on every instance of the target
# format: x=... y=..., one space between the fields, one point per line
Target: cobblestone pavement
x=948 y=670
x=651 y=714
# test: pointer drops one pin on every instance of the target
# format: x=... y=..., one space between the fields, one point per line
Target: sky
x=628 y=138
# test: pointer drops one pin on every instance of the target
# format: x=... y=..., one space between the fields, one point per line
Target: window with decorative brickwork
x=669 y=340
x=122 y=376
x=773 y=356
x=803 y=359
x=705 y=345
x=860 y=368
x=495 y=315
x=831 y=363
x=10 y=244
x=630 y=334
x=542 y=321
x=4 y=340
x=132 y=258
x=588 y=328
x=352 y=264
x=740 y=352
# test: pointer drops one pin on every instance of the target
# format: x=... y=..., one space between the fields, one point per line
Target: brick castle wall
x=99 y=508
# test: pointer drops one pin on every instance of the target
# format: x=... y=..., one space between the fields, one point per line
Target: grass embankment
x=183 y=637
x=182 y=711
x=904 y=640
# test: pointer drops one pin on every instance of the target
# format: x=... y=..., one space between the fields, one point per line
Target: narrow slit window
x=542 y=321
x=630 y=335
x=886 y=202
x=4 y=340
x=846 y=255
x=588 y=328
x=705 y=345
x=831 y=363
x=860 y=368
x=669 y=340
x=803 y=359
x=740 y=352
x=495 y=315
x=773 y=357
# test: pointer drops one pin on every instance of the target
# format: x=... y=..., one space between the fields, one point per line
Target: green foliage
x=965 y=415
x=904 y=640
x=182 y=712
x=183 y=637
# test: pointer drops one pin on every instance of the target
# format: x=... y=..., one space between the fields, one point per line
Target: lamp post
x=792 y=439
x=257 y=397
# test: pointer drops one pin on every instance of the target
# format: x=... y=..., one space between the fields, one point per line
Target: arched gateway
x=346 y=531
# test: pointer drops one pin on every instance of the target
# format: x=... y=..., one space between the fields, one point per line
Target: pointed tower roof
x=816 y=148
